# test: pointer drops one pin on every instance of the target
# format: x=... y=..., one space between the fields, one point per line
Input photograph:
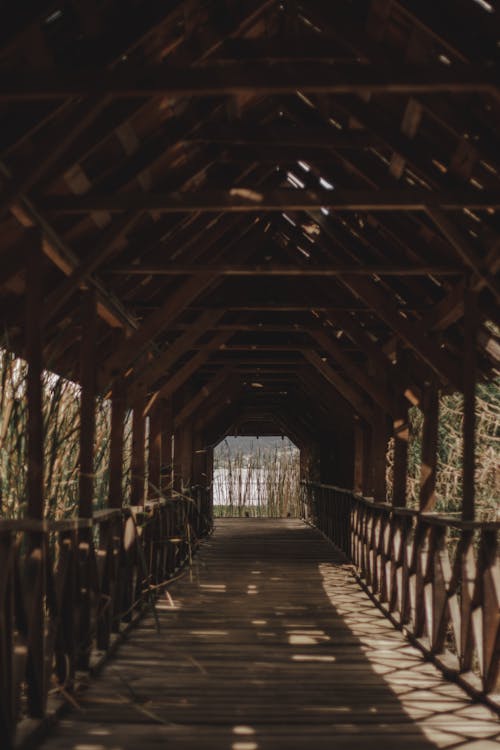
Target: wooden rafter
x=316 y=77
x=248 y=199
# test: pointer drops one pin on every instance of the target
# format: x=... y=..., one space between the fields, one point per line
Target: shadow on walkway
x=270 y=643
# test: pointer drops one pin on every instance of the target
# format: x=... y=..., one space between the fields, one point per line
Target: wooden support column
x=34 y=574
x=368 y=437
x=166 y=445
x=138 y=462
x=177 y=459
x=469 y=421
x=199 y=479
x=155 y=452
x=379 y=454
x=199 y=460
x=427 y=498
x=401 y=438
x=87 y=404
x=210 y=477
x=360 y=449
x=304 y=464
x=187 y=455
x=34 y=337
x=86 y=468
x=116 y=444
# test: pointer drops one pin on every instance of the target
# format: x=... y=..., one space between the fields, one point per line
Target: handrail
x=434 y=517
x=431 y=573
x=69 y=587
x=33 y=525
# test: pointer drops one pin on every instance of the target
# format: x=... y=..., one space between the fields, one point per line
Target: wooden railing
x=67 y=587
x=436 y=576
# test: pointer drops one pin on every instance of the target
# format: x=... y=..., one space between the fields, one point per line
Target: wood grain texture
x=270 y=643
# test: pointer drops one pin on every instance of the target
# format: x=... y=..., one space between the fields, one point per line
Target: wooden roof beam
x=183 y=374
x=408 y=330
x=377 y=391
x=346 y=390
x=247 y=199
x=326 y=137
x=158 y=367
x=271 y=269
x=219 y=382
x=154 y=323
x=273 y=79
x=465 y=250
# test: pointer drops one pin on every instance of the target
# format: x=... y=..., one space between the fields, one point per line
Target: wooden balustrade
x=435 y=575
x=67 y=587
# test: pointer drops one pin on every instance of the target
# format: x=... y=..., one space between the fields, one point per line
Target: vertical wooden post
x=304 y=464
x=166 y=446
x=87 y=404
x=182 y=457
x=199 y=459
x=34 y=336
x=427 y=497
x=368 y=438
x=209 y=463
x=401 y=438
x=155 y=451
x=198 y=478
x=176 y=461
x=34 y=575
x=359 y=457
x=469 y=421
x=138 y=462
x=86 y=468
x=187 y=455
x=116 y=444
x=379 y=455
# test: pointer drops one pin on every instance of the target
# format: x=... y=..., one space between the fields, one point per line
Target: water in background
x=257 y=478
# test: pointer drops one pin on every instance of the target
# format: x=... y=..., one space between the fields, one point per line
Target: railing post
x=488 y=581
x=34 y=573
x=8 y=683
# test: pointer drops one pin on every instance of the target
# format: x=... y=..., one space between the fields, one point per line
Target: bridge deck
x=271 y=644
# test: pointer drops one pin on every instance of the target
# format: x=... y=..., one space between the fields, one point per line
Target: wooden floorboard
x=270 y=643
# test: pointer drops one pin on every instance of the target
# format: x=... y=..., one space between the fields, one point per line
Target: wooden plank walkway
x=271 y=644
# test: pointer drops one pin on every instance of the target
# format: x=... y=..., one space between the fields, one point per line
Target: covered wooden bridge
x=250 y=217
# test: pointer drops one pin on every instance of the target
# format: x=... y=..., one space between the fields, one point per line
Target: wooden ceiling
x=282 y=206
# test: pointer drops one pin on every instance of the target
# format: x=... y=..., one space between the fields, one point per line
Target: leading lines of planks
x=270 y=643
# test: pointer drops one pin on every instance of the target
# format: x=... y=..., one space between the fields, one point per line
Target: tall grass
x=257 y=483
x=61 y=424
x=450 y=447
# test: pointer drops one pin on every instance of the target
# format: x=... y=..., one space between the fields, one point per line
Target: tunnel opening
x=257 y=477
